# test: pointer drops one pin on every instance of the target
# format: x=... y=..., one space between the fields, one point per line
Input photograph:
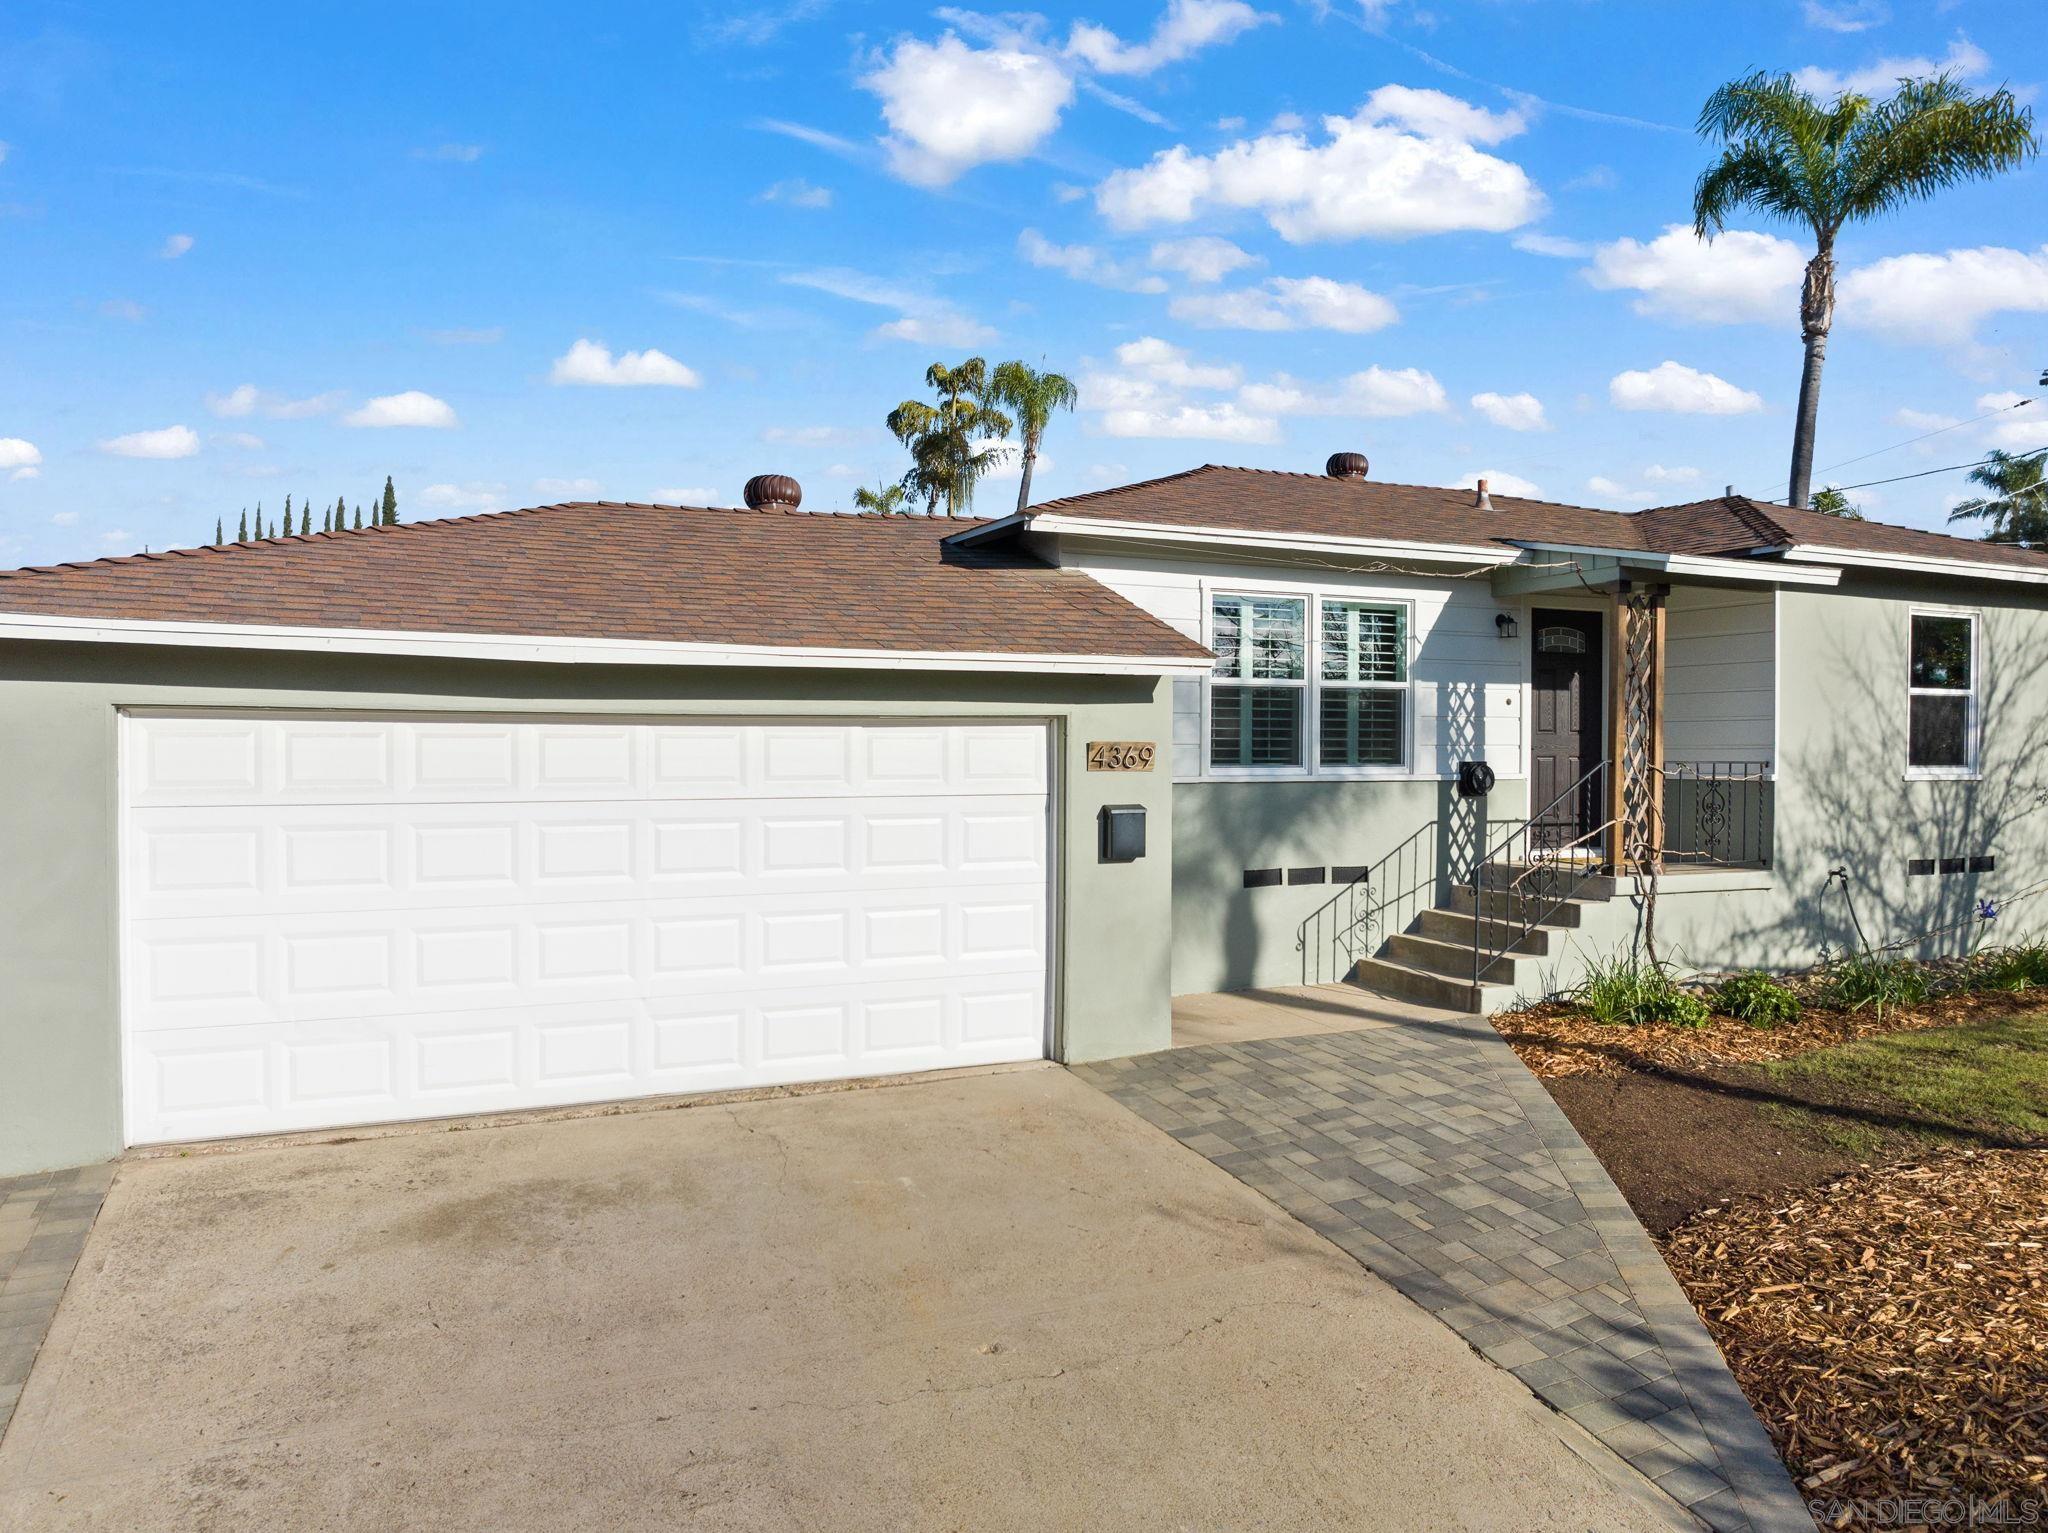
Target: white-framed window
x=1259 y=685
x=1362 y=702
x=1942 y=665
x=1308 y=685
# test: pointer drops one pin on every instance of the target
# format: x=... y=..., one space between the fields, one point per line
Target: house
x=595 y=801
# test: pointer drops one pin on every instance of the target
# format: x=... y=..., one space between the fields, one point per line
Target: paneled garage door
x=333 y=920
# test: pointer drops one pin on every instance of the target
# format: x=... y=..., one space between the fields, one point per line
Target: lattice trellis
x=1641 y=800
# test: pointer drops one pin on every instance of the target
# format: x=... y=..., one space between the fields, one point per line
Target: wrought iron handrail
x=1550 y=872
x=1334 y=927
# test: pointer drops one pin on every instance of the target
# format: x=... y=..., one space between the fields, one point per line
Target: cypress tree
x=287 y=514
x=217 y=531
x=389 y=516
x=242 y=532
x=305 y=519
x=359 y=519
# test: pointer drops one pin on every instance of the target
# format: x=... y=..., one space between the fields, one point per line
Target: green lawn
x=1992 y=1074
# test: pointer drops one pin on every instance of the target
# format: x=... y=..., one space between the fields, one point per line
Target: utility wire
x=1938 y=431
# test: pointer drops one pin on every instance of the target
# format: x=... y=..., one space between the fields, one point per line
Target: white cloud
x=1737 y=277
x=19 y=458
x=65 y=519
x=592 y=363
x=174 y=246
x=1940 y=299
x=567 y=489
x=798 y=193
x=1681 y=390
x=124 y=308
x=1163 y=362
x=1085 y=263
x=2019 y=426
x=1221 y=422
x=817 y=138
x=1499 y=482
x=921 y=317
x=1012 y=465
x=246 y=399
x=1552 y=245
x=1287 y=122
x=453 y=154
x=1289 y=303
x=816 y=436
x=247 y=441
x=1610 y=489
x=1513 y=412
x=1186 y=27
x=1657 y=473
x=950 y=107
x=1847 y=16
x=411 y=408
x=1403 y=165
x=1202 y=257
x=169 y=442
x=1377 y=393
x=468 y=499
x=1964 y=58
x=687 y=495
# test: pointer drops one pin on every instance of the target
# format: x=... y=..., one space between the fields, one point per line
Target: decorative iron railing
x=1717 y=814
x=1383 y=899
x=1528 y=874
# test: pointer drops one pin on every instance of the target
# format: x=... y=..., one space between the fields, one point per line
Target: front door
x=1565 y=724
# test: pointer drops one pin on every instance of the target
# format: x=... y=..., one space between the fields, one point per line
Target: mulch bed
x=1556 y=1040
x=1891 y=1326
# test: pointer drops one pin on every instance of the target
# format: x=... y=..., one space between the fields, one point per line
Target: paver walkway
x=43 y=1223
x=1427 y=1151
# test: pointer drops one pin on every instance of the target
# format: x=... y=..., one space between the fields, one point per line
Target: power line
x=1923 y=474
x=1938 y=431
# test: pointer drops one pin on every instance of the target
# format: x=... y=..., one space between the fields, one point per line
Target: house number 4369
x=1120 y=755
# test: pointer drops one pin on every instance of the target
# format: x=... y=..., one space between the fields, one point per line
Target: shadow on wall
x=1844 y=801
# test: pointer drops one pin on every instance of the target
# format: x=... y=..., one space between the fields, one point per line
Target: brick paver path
x=43 y=1224
x=1429 y=1153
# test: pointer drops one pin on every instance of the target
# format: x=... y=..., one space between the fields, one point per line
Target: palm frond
x=1931 y=135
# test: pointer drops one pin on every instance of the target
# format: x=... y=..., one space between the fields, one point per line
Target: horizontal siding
x=1467 y=681
x=1720 y=700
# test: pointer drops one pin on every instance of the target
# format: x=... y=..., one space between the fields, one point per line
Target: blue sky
x=517 y=254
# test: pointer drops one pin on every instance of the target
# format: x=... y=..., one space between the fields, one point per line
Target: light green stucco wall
x=1843 y=798
x=59 y=1008
x=1228 y=937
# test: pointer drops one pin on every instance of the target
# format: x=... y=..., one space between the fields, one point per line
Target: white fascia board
x=1916 y=564
x=550 y=649
x=992 y=529
x=1698 y=566
x=1460 y=554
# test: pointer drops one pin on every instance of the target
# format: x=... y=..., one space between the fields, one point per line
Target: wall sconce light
x=1505 y=625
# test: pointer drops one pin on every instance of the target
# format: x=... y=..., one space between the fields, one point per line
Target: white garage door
x=333 y=920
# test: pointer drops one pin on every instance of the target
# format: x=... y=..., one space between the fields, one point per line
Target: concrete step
x=1521 y=908
x=1456 y=926
x=1447 y=958
x=1398 y=979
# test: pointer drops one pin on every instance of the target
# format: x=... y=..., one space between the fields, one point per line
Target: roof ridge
x=1295 y=473
x=1137 y=484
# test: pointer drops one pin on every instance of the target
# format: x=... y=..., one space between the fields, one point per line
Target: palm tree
x=1833 y=502
x=1788 y=155
x=952 y=444
x=884 y=499
x=1034 y=396
x=2017 y=508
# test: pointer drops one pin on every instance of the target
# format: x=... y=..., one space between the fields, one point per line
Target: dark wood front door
x=1565 y=734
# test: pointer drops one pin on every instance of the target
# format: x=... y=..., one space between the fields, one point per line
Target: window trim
x=1405 y=616
x=1973 y=768
x=1311 y=684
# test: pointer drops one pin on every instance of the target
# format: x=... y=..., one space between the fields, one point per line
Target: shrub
x=1628 y=992
x=1882 y=983
x=2010 y=968
x=1757 y=999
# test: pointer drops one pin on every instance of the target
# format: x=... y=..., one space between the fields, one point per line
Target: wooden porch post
x=1657 y=779
x=1617 y=717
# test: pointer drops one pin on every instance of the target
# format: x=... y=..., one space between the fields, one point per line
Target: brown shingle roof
x=1266 y=500
x=612 y=571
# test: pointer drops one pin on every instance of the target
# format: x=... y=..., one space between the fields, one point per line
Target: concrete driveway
x=988 y=1301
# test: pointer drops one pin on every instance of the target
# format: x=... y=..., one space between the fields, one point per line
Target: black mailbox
x=1123 y=832
x=1475 y=779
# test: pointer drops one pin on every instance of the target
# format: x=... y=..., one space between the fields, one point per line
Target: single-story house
x=594 y=801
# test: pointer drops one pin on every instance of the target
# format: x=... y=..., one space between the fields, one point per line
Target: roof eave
x=1917 y=564
x=1755 y=568
x=1172 y=535
x=559 y=650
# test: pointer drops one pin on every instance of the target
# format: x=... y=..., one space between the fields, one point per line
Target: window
x=1362 y=711
x=1261 y=675
x=1941 y=695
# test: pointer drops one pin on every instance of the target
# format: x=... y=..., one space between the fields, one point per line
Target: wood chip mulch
x=1890 y=1327
x=1555 y=1039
